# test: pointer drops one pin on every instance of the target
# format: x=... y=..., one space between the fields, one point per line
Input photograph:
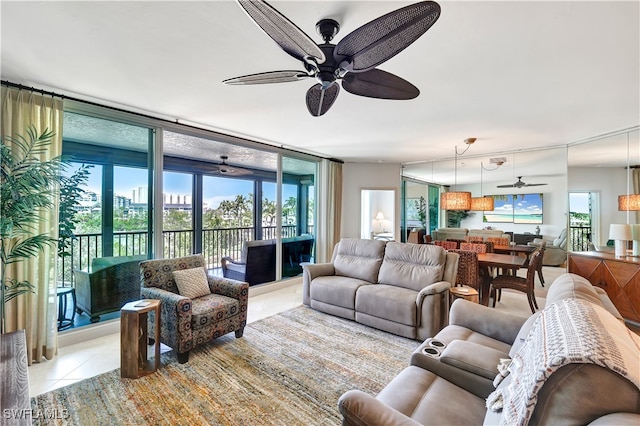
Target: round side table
x=464 y=292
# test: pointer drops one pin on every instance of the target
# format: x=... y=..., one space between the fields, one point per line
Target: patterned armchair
x=187 y=323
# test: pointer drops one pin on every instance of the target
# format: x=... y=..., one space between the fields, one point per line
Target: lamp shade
x=482 y=203
x=455 y=200
x=379 y=216
x=629 y=202
x=620 y=232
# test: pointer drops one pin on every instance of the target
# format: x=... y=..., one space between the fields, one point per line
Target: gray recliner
x=555 y=253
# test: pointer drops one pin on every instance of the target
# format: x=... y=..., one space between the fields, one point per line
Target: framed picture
x=502 y=209
x=527 y=209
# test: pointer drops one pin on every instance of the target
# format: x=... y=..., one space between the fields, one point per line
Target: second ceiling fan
x=520 y=184
x=353 y=60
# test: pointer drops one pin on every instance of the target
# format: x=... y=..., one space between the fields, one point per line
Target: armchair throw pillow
x=192 y=283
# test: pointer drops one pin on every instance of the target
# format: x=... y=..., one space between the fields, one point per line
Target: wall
x=357 y=176
x=554 y=206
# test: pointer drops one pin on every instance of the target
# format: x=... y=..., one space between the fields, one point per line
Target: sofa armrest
x=310 y=271
x=435 y=288
x=176 y=310
x=319 y=270
x=228 y=287
x=360 y=409
x=488 y=321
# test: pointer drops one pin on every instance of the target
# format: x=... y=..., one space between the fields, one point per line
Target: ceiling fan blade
x=319 y=101
x=384 y=37
x=268 y=77
x=506 y=186
x=534 y=184
x=284 y=32
x=379 y=84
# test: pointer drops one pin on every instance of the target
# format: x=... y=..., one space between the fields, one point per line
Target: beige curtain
x=329 y=209
x=35 y=312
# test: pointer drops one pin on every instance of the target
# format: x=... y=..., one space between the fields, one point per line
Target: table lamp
x=620 y=233
x=635 y=234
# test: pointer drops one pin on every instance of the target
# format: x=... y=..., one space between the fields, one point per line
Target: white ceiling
x=515 y=75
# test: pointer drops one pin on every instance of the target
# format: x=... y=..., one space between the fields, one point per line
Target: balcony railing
x=216 y=244
x=580 y=237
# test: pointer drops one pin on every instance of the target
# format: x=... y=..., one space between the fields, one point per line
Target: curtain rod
x=147 y=116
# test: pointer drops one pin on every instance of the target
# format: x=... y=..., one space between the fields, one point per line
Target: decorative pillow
x=192 y=283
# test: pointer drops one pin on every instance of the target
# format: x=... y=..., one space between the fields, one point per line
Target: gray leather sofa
x=452 y=385
x=442 y=234
x=555 y=252
x=401 y=288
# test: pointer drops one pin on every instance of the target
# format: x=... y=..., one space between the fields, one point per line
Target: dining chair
x=468 y=269
x=499 y=241
x=526 y=285
x=477 y=247
x=457 y=241
x=476 y=238
x=489 y=245
x=541 y=249
x=447 y=245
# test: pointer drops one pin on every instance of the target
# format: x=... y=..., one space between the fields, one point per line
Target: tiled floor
x=92 y=357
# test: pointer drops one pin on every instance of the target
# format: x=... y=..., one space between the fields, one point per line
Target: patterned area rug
x=288 y=369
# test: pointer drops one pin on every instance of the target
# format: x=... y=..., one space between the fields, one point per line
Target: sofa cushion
x=429 y=399
x=389 y=302
x=456 y=332
x=474 y=358
x=213 y=308
x=359 y=258
x=336 y=290
x=412 y=266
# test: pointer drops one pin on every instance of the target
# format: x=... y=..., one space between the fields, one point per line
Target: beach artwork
x=515 y=208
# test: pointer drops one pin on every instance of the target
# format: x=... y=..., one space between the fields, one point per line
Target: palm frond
x=13 y=289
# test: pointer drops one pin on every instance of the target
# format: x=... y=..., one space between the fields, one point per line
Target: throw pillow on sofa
x=192 y=283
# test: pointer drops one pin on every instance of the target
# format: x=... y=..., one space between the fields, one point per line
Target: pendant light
x=482 y=203
x=457 y=200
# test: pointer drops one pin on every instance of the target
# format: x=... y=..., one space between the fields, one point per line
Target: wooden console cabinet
x=619 y=277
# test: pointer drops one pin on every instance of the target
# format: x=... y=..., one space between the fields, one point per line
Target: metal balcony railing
x=580 y=237
x=216 y=244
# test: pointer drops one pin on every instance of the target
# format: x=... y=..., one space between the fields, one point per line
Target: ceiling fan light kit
x=353 y=59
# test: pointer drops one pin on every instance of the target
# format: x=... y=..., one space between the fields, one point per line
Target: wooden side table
x=134 y=337
x=464 y=292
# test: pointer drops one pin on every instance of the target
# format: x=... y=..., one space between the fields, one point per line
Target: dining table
x=514 y=249
x=496 y=260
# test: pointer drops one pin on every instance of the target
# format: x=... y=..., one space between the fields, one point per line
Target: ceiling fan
x=520 y=184
x=227 y=170
x=353 y=60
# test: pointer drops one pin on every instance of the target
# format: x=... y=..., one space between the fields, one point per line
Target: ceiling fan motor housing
x=327 y=71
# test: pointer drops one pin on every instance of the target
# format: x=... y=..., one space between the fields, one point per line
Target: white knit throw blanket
x=570 y=331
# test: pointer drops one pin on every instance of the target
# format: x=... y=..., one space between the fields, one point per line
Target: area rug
x=288 y=369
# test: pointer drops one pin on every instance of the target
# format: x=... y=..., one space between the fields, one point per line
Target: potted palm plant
x=28 y=186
